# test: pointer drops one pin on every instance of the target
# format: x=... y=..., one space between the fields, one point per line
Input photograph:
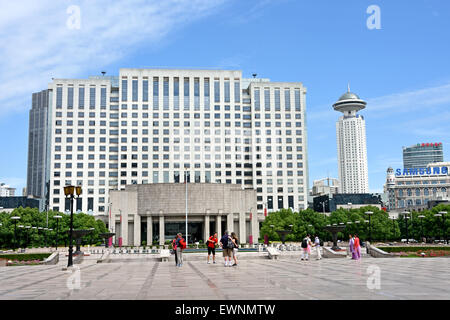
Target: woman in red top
x=212 y=242
x=357 y=247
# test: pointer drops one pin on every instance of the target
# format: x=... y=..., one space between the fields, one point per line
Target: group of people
x=229 y=243
x=354 y=246
x=178 y=245
x=306 y=246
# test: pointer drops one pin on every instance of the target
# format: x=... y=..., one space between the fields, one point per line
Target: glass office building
x=422 y=154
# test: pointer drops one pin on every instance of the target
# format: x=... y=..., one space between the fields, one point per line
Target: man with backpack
x=181 y=245
x=306 y=246
x=227 y=245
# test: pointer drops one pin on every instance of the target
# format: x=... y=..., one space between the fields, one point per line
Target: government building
x=156 y=212
x=168 y=126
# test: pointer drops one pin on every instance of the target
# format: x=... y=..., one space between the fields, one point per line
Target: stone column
x=242 y=228
x=254 y=225
x=124 y=227
x=149 y=230
x=161 y=230
x=137 y=230
x=230 y=222
x=219 y=226
x=206 y=227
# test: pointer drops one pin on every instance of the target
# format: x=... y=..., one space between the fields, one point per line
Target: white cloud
x=423 y=99
x=38 y=45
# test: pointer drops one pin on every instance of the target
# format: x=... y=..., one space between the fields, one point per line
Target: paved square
x=400 y=278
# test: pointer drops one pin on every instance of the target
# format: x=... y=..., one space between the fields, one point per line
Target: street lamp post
x=20 y=226
x=421 y=226
x=370 y=213
x=39 y=228
x=406 y=215
x=45 y=236
x=393 y=227
x=69 y=192
x=28 y=236
x=444 y=231
x=15 y=218
x=34 y=228
x=56 y=240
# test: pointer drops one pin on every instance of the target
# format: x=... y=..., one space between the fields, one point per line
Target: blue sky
x=401 y=70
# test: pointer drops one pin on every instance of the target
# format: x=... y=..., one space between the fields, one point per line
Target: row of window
x=81 y=97
x=217 y=132
x=400 y=183
x=418 y=192
x=176 y=89
x=178 y=139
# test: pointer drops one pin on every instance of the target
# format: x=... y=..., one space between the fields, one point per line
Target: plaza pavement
x=260 y=279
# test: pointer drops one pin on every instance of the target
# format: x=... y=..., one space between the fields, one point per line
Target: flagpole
x=185 y=182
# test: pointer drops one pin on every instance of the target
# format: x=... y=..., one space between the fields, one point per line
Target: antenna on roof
x=103 y=73
x=348 y=87
x=254 y=75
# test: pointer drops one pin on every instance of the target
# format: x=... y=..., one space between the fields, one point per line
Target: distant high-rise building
x=324 y=186
x=351 y=144
x=422 y=154
x=6 y=191
x=38 y=144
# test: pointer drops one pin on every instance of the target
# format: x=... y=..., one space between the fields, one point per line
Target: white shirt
x=317 y=241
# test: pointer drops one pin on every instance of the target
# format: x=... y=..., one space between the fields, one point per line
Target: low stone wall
x=329 y=253
x=52 y=259
x=105 y=258
x=378 y=253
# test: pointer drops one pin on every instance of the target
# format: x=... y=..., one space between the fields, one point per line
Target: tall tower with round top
x=351 y=144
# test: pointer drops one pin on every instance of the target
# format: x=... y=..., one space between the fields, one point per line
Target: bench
x=273 y=253
x=164 y=255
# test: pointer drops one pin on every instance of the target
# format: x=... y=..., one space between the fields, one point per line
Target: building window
x=145 y=90
x=59 y=97
x=237 y=91
x=155 y=93
x=216 y=91
x=227 y=91
x=92 y=97
x=134 y=88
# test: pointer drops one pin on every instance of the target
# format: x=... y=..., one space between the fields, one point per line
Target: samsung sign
x=421 y=171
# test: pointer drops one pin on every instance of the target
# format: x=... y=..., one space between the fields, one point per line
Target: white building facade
x=6 y=190
x=164 y=126
x=351 y=145
x=414 y=188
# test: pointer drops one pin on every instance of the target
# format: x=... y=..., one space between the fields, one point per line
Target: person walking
x=181 y=245
x=306 y=245
x=351 y=243
x=227 y=245
x=235 y=240
x=317 y=246
x=212 y=242
x=174 y=249
x=357 y=248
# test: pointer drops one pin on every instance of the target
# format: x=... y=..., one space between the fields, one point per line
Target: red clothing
x=213 y=243
x=356 y=244
x=174 y=244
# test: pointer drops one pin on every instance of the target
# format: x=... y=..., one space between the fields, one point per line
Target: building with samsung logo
x=417 y=188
